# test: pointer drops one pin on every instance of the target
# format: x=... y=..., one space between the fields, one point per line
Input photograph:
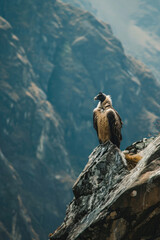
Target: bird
x=107 y=121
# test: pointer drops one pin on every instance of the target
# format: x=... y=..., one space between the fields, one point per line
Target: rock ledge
x=111 y=202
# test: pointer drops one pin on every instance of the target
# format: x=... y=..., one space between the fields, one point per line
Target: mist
x=121 y=16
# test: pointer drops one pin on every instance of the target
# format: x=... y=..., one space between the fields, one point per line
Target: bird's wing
x=120 y=123
x=95 y=121
x=115 y=125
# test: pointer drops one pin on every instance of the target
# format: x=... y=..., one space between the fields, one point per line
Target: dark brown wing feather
x=120 y=124
x=95 y=122
x=115 y=128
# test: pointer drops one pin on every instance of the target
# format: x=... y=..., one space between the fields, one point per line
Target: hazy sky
x=119 y=14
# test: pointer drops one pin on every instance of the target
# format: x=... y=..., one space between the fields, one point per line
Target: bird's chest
x=103 y=127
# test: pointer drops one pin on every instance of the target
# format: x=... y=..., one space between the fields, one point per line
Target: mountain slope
x=85 y=5
x=33 y=154
x=74 y=56
x=135 y=23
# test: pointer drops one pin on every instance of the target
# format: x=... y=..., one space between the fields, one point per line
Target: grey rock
x=122 y=205
x=138 y=146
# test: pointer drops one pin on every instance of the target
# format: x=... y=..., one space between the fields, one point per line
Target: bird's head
x=104 y=99
x=101 y=97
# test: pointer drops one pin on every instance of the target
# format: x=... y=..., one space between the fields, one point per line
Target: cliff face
x=111 y=202
x=74 y=56
x=136 y=24
x=33 y=157
x=54 y=59
x=85 y=5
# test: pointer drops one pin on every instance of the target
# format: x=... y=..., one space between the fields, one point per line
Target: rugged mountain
x=54 y=59
x=85 y=5
x=33 y=157
x=111 y=202
x=147 y=20
x=74 y=56
x=135 y=23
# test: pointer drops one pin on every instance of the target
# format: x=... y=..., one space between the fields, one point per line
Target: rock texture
x=111 y=202
x=85 y=5
x=33 y=157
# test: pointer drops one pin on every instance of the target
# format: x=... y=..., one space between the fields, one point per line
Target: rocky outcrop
x=111 y=202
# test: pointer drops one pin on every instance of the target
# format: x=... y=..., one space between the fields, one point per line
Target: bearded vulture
x=107 y=121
